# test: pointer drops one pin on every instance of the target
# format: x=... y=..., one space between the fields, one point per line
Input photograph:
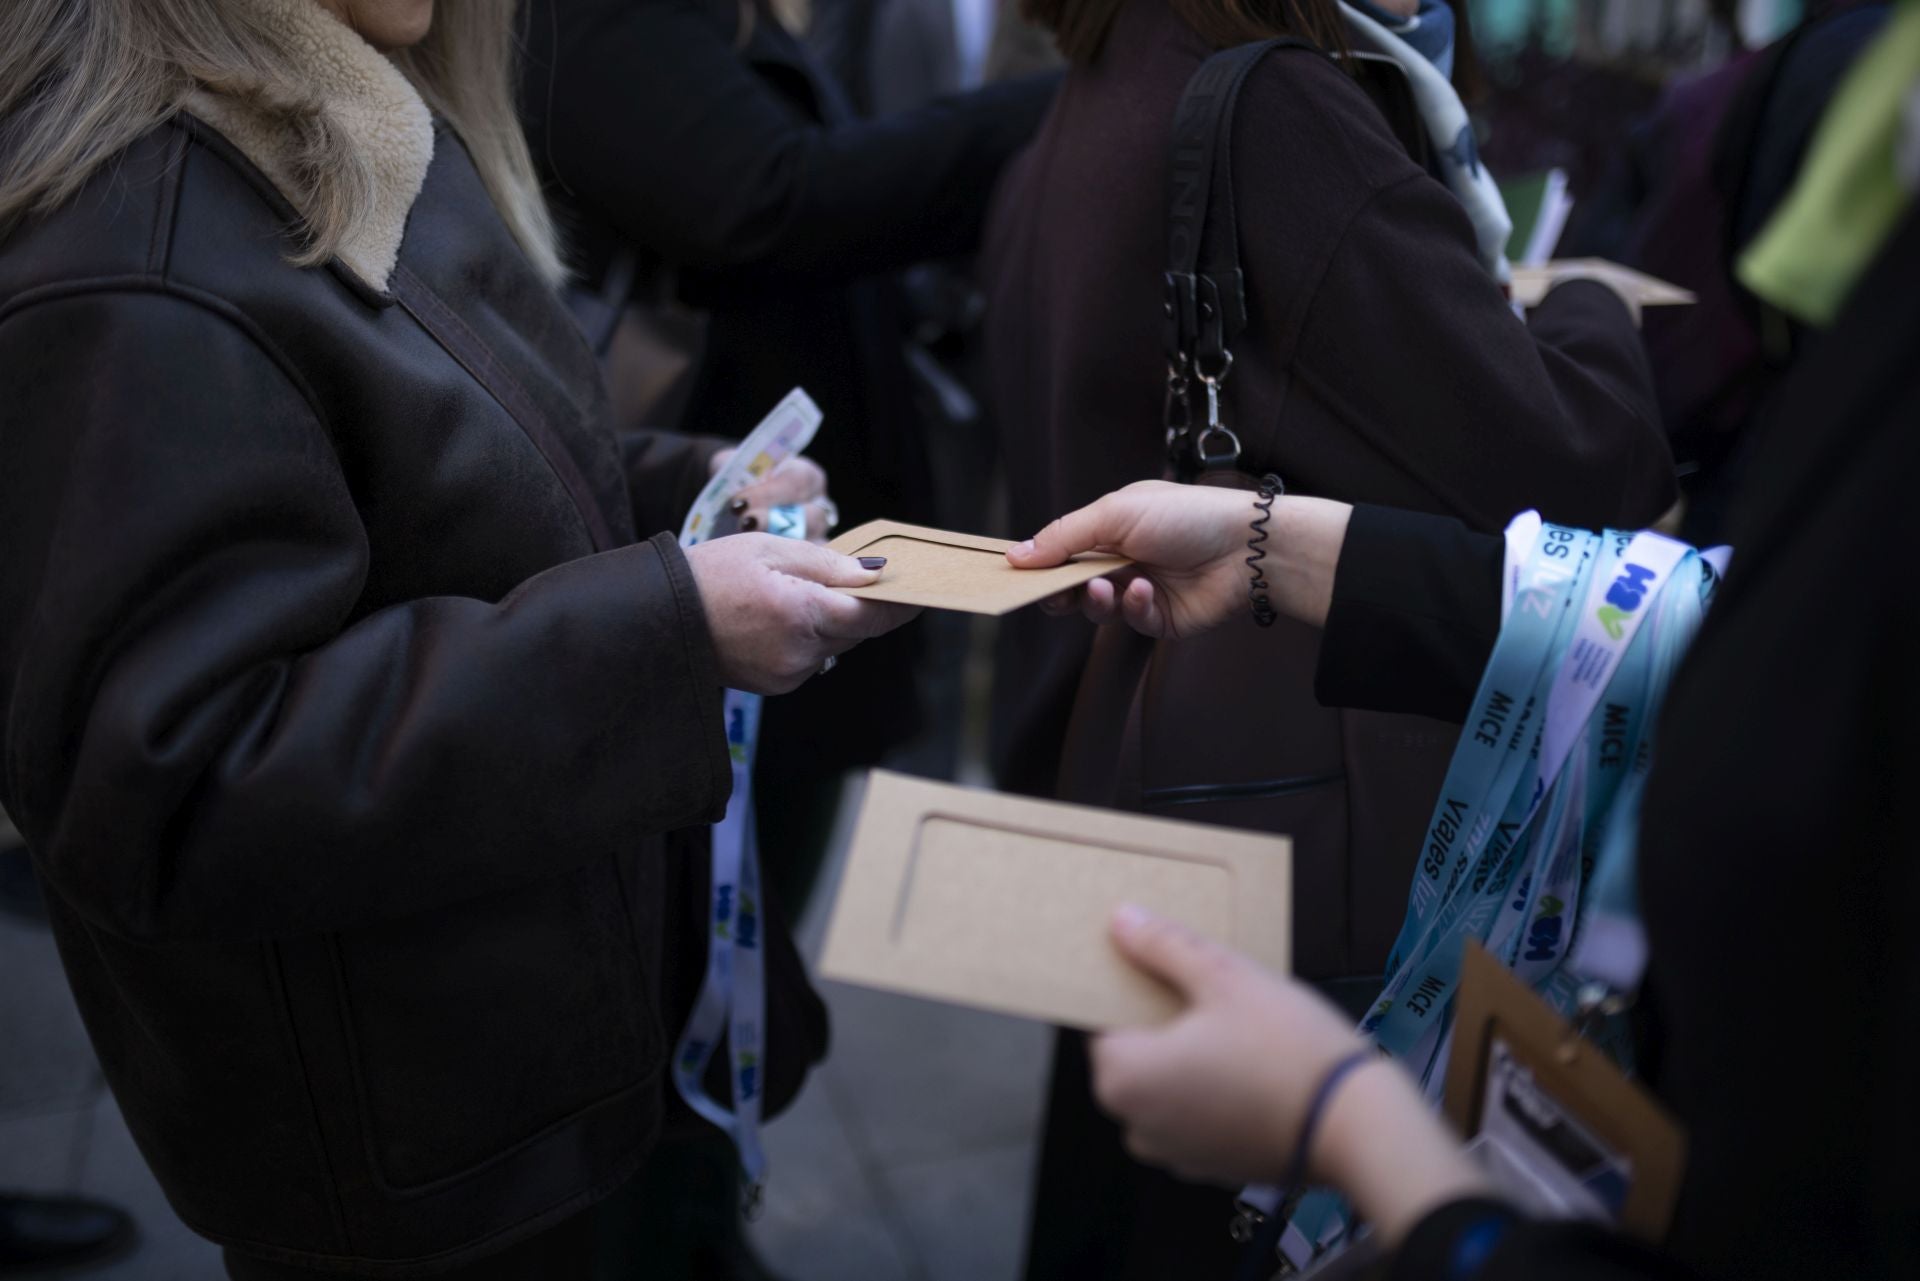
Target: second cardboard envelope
x=1003 y=903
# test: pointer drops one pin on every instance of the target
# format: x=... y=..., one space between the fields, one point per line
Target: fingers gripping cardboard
x=941 y=570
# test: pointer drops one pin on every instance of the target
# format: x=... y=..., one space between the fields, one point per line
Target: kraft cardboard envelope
x=1003 y=903
x=943 y=570
x=1530 y=284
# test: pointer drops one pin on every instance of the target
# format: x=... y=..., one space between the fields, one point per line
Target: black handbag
x=1205 y=297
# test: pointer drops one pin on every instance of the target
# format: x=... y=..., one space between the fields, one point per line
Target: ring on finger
x=833 y=661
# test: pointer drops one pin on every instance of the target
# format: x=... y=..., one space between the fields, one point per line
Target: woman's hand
x=1221 y=1092
x=773 y=615
x=797 y=481
x=1189 y=548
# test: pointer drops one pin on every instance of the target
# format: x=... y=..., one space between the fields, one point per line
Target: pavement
x=908 y=1157
x=911 y=1152
x=60 y=1131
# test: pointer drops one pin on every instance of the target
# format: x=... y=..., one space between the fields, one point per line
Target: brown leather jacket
x=345 y=705
x=1380 y=364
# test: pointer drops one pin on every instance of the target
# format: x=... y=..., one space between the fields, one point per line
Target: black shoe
x=42 y=1233
x=19 y=890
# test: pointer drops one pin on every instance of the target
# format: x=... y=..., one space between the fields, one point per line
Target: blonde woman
x=344 y=698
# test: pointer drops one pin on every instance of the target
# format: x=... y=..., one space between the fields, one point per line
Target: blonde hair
x=82 y=79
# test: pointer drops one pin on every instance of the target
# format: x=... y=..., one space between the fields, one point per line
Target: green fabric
x=1847 y=198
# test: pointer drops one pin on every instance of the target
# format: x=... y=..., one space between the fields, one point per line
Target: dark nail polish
x=737 y=506
x=873 y=562
x=749 y=523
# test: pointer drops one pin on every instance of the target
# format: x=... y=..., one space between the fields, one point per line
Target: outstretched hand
x=1189 y=545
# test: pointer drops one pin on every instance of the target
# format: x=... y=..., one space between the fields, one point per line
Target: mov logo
x=1543 y=939
x=1624 y=597
x=746 y=929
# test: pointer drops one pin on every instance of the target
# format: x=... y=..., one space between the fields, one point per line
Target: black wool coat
x=344 y=702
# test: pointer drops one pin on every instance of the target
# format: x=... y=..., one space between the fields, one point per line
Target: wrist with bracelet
x=1323 y=1093
x=1267 y=1240
x=1271 y=487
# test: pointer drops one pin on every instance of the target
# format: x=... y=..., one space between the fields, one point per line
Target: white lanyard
x=732 y=999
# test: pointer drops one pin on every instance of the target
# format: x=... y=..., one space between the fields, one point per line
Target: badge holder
x=1561 y=1129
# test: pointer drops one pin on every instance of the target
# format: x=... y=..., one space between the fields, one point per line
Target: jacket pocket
x=1260 y=790
x=475 y=1028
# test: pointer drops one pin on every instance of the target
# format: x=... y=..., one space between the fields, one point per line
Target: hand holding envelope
x=1638 y=290
x=941 y=570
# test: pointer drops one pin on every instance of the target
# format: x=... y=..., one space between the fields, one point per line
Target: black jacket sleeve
x=207 y=736
x=652 y=123
x=1479 y=1240
x=1411 y=380
x=1413 y=346
x=1416 y=609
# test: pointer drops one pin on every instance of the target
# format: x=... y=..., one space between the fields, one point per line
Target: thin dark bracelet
x=1271 y=488
x=1317 y=1106
x=1257 y=1263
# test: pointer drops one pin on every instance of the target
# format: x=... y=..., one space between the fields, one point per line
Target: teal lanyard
x=1530 y=847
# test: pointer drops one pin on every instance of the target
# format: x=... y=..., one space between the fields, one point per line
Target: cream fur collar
x=369 y=99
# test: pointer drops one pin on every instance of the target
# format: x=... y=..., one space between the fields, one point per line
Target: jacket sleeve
x=652 y=123
x=1401 y=348
x=206 y=736
x=1415 y=613
x=1482 y=1240
x=1412 y=345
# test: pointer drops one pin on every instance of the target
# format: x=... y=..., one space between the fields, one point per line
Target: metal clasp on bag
x=1216 y=445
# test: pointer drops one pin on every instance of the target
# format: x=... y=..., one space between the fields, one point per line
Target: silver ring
x=829 y=510
x=833 y=661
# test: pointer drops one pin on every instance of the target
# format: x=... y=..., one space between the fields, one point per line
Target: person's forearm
x=1381 y=1145
x=1303 y=554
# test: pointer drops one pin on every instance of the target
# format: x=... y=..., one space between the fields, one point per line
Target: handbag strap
x=1205 y=291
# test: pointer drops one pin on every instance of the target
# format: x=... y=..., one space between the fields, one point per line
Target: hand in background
x=798 y=480
x=772 y=611
x=1189 y=547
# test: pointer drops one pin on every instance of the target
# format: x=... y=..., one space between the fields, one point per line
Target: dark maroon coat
x=1381 y=364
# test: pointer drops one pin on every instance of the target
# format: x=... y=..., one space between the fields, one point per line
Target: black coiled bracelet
x=1271 y=487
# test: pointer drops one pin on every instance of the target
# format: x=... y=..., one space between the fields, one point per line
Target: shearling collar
x=369 y=99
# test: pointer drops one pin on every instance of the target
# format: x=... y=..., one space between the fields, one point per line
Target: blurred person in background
x=1380 y=362
x=700 y=160
x=1689 y=189
x=347 y=694
x=708 y=172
